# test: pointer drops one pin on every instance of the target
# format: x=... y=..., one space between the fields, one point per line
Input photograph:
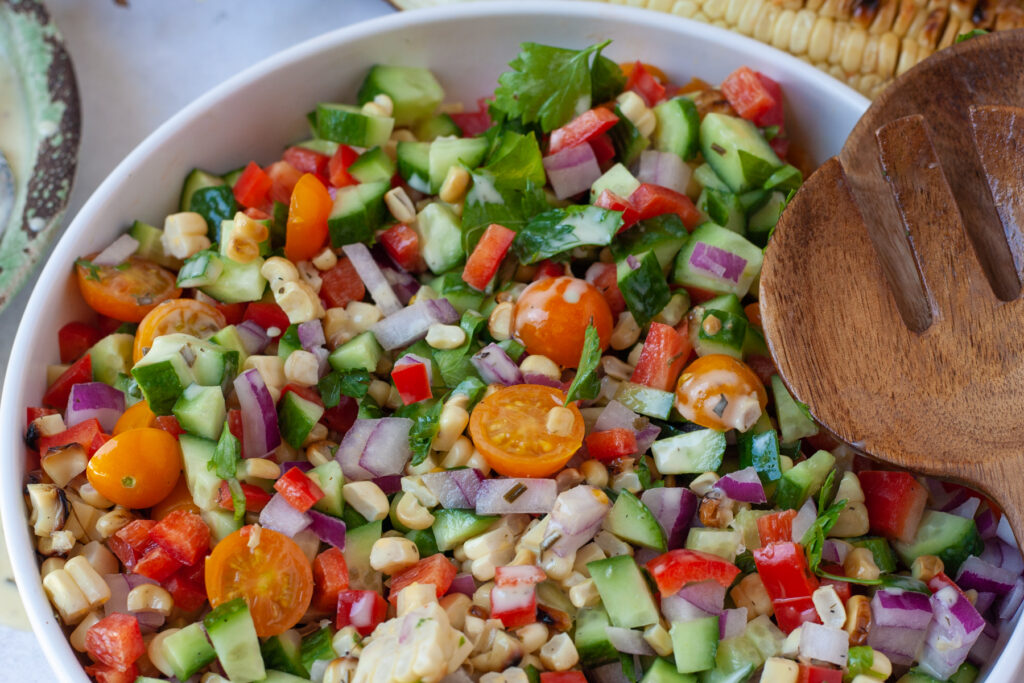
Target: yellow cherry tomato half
x=270 y=572
x=180 y=498
x=306 y=231
x=137 y=416
x=552 y=314
x=510 y=429
x=137 y=468
x=126 y=292
x=720 y=392
x=185 y=316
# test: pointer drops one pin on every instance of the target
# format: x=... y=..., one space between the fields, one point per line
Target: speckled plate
x=40 y=123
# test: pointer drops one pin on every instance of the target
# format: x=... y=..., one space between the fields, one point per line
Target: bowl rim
x=47 y=629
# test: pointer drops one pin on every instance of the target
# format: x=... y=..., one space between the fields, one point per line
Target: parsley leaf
x=425 y=416
x=551 y=85
x=226 y=455
x=94 y=270
x=369 y=409
x=516 y=161
x=606 y=80
x=490 y=201
x=971 y=34
x=237 y=498
x=472 y=388
x=643 y=286
x=352 y=383
x=586 y=385
x=828 y=489
x=454 y=365
x=558 y=230
x=643 y=473
x=814 y=542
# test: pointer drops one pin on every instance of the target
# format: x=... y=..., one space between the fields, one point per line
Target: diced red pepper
x=676 y=568
x=662 y=358
x=819 y=674
x=583 y=128
x=33 y=413
x=188 y=592
x=780 y=145
x=255 y=498
x=776 y=527
x=563 y=677
x=654 y=200
x=605 y=278
x=436 y=569
x=515 y=606
x=518 y=575
x=604 y=149
x=775 y=115
x=169 y=424
x=308 y=161
x=487 y=256
x=157 y=564
x=267 y=316
x=233 y=313
x=895 y=503
x=842 y=588
x=83 y=433
x=108 y=674
x=284 y=177
x=475 y=122
x=252 y=186
x=791 y=612
x=362 y=609
x=337 y=167
x=131 y=542
x=940 y=581
x=613 y=202
x=610 y=444
x=184 y=535
x=330 y=577
x=764 y=368
x=549 y=268
x=257 y=215
x=97 y=442
x=57 y=395
x=76 y=338
x=115 y=641
x=643 y=83
x=341 y=284
x=412 y=380
x=747 y=94
x=300 y=491
x=403 y=246
x=235 y=427
x=784 y=571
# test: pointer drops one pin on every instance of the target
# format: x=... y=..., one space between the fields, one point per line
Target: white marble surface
x=136 y=67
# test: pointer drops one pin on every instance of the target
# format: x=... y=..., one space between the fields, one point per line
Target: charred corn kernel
x=302 y=368
x=155 y=651
x=316 y=434
x=184 y=234
x=925 y=567
x=341 y=670
x=611 y=545
x=536 y=364
x=515 y=674
x=451 y=425
x=499 y=324
x=338 y=327
x=556 y=567
x=271 y=369
x=626 y=332
x=320 y=452
x=456 y=606
x=58 y=543
x=49 y=508
x=392 y=555
x=278 y=270
x=88 y=580
x=409 y=512
x=568 y=478
x=310 y=275
x=588 y=553
x=584 y=594
x=559 y=653
x=112 y=522
x=325 y=259
x=658 y=638
x=149 y=597
x=299 y=302
x=459 y=454
x=594 y=473
x=77 y=637
x=860 y=564
x=829 y=607
x=363 y=315
x=703 y=483
x=65 y=463
x=560 y=421
x=48 y=425
x=65 y=595
x=751 y=593
x=615 y=368
x=478 y=462
x=849 y=489
x=440 y=336
x=429 y=464
x=100 y=558
x=481 y=598
x=346 y=642
x=367 y=499
x=780 y=670
x=456 y=181
x=858 y=619
x=400 y=206
x=413 y=485
x=523 y=556
x=532 y=636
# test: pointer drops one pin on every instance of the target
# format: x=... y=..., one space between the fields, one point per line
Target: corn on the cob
x=864 y=43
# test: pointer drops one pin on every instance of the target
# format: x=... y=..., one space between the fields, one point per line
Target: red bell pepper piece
x=188 y=588
x=613 y=202
x=412 y=380
x=643 y=83
x=330 y=577
x=487 y=256
x=57 y=395
x=784 y=571
x=284 y=176
x=33 y=413
x=184 y=535
x=842 y=588
x=97 y=442
x=895 y=503
x=108 y=674
x=676 y=568
x=255 y=498
x=475 y=122
x=604 y=149
x=791 y=612
x=83 y=433
x=252 y=186
x=518 y=575
x=267 y=315
x=515 y=606
x=235 y=427
x=775 y=115
x=308 y=161
x=747 y=94
x=583 y=128
x=115 y=641
x=548 y=268
x=662 y=358
x=819 y=674
x=776 y=527
x=233 y=313
x=337 y=167
x=610 y=444
x=157 y=564
x=169 y=424
x=341 y=417
x=131 y=542
x=76 y=338
x=940 y=581
x=362 y=609
x=341 y=284
x=563 y=677
x=606 y=279
x=436 y=569
x=300 y=491
x=654 y=200
x=403 y=246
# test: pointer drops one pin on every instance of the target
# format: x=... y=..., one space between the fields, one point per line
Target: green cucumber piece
x=624 y=591
x=197 y=179
x=424 y=540
x=645 y=400
x=357 y=213
x=693 y=452
x=317 y=645
x=947 y=536
x=591 y=638
x=196 y=454
x=761 y=223
x=803 y=480
x=413 y=160
x=362 y=351
x=664 y=235
x=724 y=209
x=111 y=356
x=720 y=542
x=454 y=526
x=706 y=176
x=238 y=282
x=760 y=450
x=721 y=332
x=448 y=152
x=348 y=125
x=617 y=180
x=325 y=147
x=435 y=127
x=331 y=480
x=201 y=411
x=627 y=139
x=228 y=338
x=162 y=375
x=216 y=205
x=678 y=128
x=234 y=639
x=694 y=644
x=710 y=238
x=288 y=342
x=201 y=269
x=281 y=653
x=373 y=166
x=794 y=423
x=787 y=179
x=296 y=417
x=664 y=671
x=737 y=151
x=187 y=651
x=222 y=523
x=151 y=246
x=359 y=542
x=414 y=91
x=440 y=233
x=632 y=521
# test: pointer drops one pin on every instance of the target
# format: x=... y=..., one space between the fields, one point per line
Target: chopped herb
x=454 y=365
x=369 y=409
x=971 y=34
x=472 y=388
x=718 y=149
x=425 y=417
x=123 y=266
x=237 y=498
x=828 y=489
x=586 y=385
x=560 y=230
x=514 y=492
x=94 y=270
x=226 y=455
x=352 y=383
x=549 y=541
x=814 y=542
x=492 y=201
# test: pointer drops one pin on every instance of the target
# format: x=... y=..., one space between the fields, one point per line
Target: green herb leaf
x=649 y=234
x=489 y=201
x=643 y=473
x=586 y=385
x=426 y=417
x=352 y=383
x=558 y=230
x=628 y=670
x=226 y=455
x=826 y=492
x=516 y=161
x=454 y=365
x=644 y=287
x=94 y=270
x=606 y=80
x=369 y=409
x=472 y=388
x=971 y=34
x=814 y=541
x=237 y=498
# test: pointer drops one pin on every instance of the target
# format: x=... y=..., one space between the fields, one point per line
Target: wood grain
x=891 y=288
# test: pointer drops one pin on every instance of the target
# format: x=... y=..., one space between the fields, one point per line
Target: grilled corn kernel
x=453 y=421
x=626 y=332
x=594 y=473
x=584 y=594
x=52 y=564
x=367 y=499
x=325 y=259
x=456 y=606
x=65 y=463
x=65 y=595
x=453 y=189
x=88 y=580
x=925 y=567
x=780 y=670
x=849 y=489
x=858 y=619
x=459 y=454
x=751 y=593
x=77 y=637
x=440 y=336
x=559 y=653
x=392 y=555
x=259 y=468
x=149 y=597
x=113 y=521
x=410 y=512
x=400 y=206
x=184 y=234
x=703 y=483
x=560 y=421
x=860 y=564
x=499 y=324
x=363 y=315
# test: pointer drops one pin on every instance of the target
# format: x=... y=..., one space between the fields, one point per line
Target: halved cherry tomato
x=186 y=316
x=337 y=166
x=307 y=219
x=341 y=284
x=720 y=392
x=138 y=415
x=137 y=468
x=126 y=292
x=551 y=318
x=509 y=428
x=270 y=572
x=180 y=498
x=284 y=177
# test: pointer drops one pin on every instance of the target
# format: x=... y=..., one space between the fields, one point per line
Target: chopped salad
x=451 y=394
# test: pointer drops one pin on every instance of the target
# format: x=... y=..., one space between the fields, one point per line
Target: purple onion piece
x=411 y=324
x=369 y=272
x=510 y=496
x=463 y=583
x=616 y=416
x=351 y=448
x=331 y=530
x=389 y=483
x=628 y=640
x=89 y=400
x=981 y=576
x=717 y=262
x=311 y=335
x=404 y=284
x=951 y=634
x=387 y=449
x=496 y=367
x=259 y=415
x=674 y=509
x=280 y=516
x=254 y=338
x=743 y=485
x=572 y=170
x=303 y=465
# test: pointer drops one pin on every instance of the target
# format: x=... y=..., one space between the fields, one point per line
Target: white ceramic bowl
x=261 y=110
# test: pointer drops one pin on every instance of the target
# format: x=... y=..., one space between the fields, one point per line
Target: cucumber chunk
x=617 y=180
x=151 y=245
x=794 y=424
x=111 y=356
x=737 y=151
x=348 y=125
x=187 y=651
x=196 y=453
x=197 y=179
x=803 y=480
x=414 y=164
x=359 y=542
x=331 y=480
x=362 y=351
x=678 y=128
x=234 y=639
x=664 y=671
x=591 y=639
x=632 y=521
x=414 y=91
x=454 y=526
x=447 y=152
x=297 y=417
x=720 y=542
x=707 y=242
x=373 y=166
x=281 y=653
x=201 y=269
x=238 y=282
x=645 y=400
x=624 y=591
x=201 y=411
x=694 y=644
x=948 y=536
x=357 y=212
x=693 y=452
x=440 y=237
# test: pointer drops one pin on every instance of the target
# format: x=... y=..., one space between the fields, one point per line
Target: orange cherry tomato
x=126 y=292
x=138 y=415
x=551 y=318
x=272 y=574
x=186 y=316
x=509 y=428
x=180 y=498
x=137 y=468
x=753 y=313
x=307 y=219
x=720 y=392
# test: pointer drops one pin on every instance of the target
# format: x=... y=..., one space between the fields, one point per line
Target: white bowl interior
x=256 y=114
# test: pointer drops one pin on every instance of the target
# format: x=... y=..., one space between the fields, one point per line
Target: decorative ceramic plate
x=40 y=124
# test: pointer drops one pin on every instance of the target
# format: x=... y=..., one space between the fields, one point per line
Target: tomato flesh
x=403 y=246
x=487 y=256
x=610 y=444
x=654 y=200
x=583 y=128
x=115 y=641
x=895 y=503
x=643 y=83
x=719 y=392
x=330 y=577
x=252 y=186
x=185 y=316
x=255 y=498
x=552 y=315
x=58 y=393
x=183 y=534
x=126 y=292
x=664 y=353
x=341 y=285
x=74 y=339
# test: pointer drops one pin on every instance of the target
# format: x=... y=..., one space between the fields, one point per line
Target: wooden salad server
x=891 y=288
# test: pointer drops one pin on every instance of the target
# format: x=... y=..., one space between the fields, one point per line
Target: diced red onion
x=647 y=436
x=984 y=600
x=543 y=380
x=676 y=608
x=413 y=359
x=1012 y=601
x=899 y=622
x=402 y=283
x=966 y=509
x=260 y=432
x=834 y=551
x=981 y=576
x=253 y=337
x=732 y=623
x=302 y=465
x=535 y=496
x=279 y=515
x=455 y=489
x=387 y=448
x=369 y=272
x=717 y=262
x=902 y=646
x=938 y=492
x=606 y=673
x=627 y=640
x=351 y=448
x=411 y=324
x=311 y=334
x=463 y=583
x=644 y=555
x=743 y=485
x=576 y=517
x=707 y=595
x=804 y=520
x=391 y=483
x=666 y=169
x=824 y=643
x=958 y=497
x=674 y=509
x=572 y=170
x=495 y=366
x=1005 y=533
x=1012 y=560
x=951 y=634
x=322 y=365
x=984 y=649
x=120 y=585
x=117 y=251
x=616 y=416
x=331 y=530
x=986 y=522
x=992 y=552
x=89 y=400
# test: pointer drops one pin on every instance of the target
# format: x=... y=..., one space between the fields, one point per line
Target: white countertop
x=137 y=66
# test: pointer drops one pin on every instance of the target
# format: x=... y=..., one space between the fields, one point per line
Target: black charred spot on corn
x=864 y=12
x=555 y=618
x=32 y=436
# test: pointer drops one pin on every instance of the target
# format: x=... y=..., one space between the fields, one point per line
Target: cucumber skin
x=632 y=521
x=230 y=627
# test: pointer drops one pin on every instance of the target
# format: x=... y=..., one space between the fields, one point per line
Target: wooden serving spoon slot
x=891 y=288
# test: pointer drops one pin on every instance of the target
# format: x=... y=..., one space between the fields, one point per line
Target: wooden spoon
x=890 y=292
